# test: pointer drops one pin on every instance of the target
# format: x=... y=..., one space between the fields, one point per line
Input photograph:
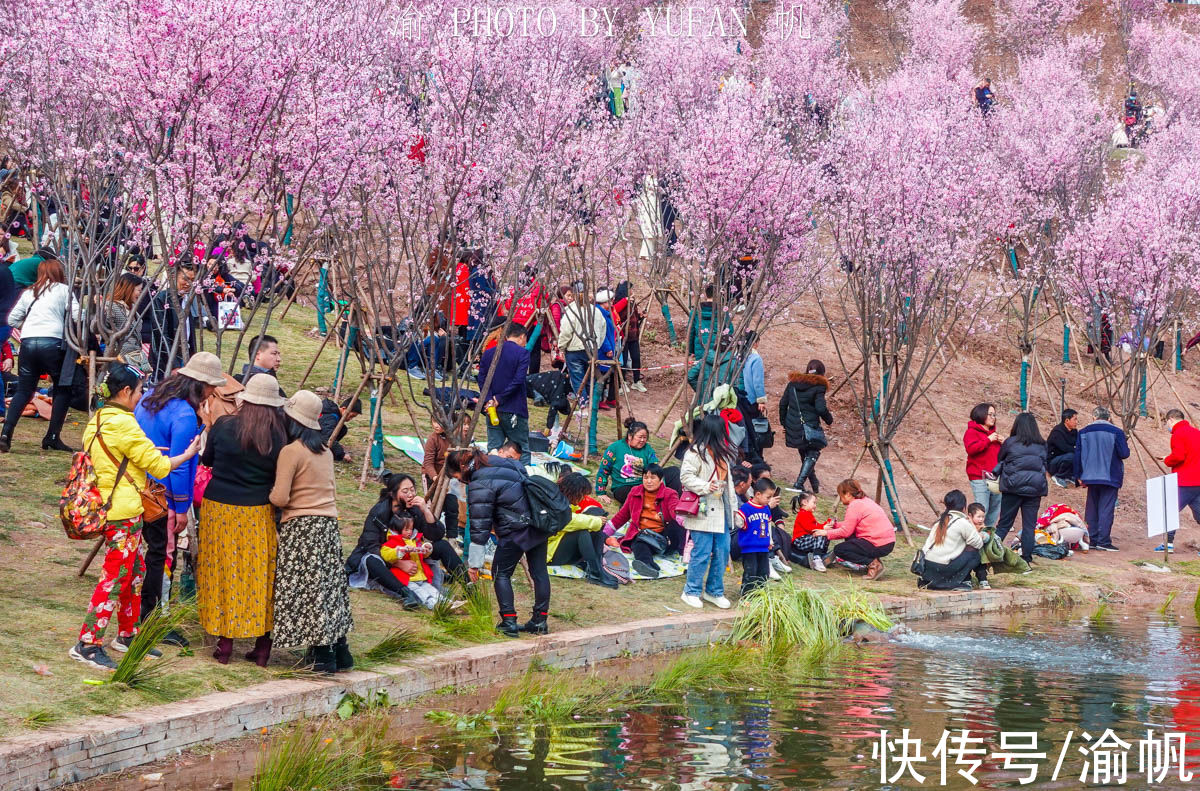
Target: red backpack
x=82 y=509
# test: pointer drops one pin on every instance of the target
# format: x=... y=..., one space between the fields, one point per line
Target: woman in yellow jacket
x=582 y=540
x=111 y=435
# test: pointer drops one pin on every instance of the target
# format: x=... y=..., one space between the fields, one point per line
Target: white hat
x=603 y=295
x=262 y=389
x=204 y=367
x=305 y=408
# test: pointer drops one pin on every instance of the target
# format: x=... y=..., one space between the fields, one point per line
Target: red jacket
x=806 y=523
x=982 y=454
x=395 y=540
x=631 y=511
x=1185 y=453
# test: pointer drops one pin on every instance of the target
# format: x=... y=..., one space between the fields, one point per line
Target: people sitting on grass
x=1060 y=447
x=407 y=553
x=437 y=447
x=582 y=540
x=867 y=533
x=754 y=535
x=366 y=566
x=623 y=462
x=705 y=473
x=805 y=548
x=406 y=502
x=331 y=415
x=653 y=529
x=952 y=549
x=779 y=534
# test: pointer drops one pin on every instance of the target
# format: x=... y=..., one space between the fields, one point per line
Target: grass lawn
x=42 y=600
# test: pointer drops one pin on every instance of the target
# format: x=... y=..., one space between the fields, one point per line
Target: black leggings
x=1010 y=504
x=676 y=538
x=443 y=552
x=154 y=534
x=379 y=573
x=450 y=515
x=585 y=545
x=39 y=356
x=860 y=551
x=632 y=357
x=947 y=576
x=504 y=562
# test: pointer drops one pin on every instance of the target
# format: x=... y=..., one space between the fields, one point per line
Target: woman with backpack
x=41 y=314
x=235 y=572
x=1021 y=468
x=112 y=438
x=496 y=503
x=802 y=407
x=312 y=604
x=707 y=506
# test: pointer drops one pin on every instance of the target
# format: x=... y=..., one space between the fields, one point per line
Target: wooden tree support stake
x=917 y=481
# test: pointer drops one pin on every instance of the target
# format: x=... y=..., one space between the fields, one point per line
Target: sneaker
x=121 y=645
x=720 y=601
x=1062 y=483
x=964 y=588
x=644 y=569
x=780 y=566
x=984 y=585
x=438 y=376
x=641 y=388
x=92 y=655
x=1165 y=548
x=416 y=373
x=175 y=638
x=772 y=574
x=1106 y=547
x=692 y=601
x=816 y=563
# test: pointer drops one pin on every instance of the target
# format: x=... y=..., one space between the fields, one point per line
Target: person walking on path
x=802 y=407
x=1060 y=447
x=581 y=334
x=41 y=314
x=235 y=574
x=506 y=392
x=1021 y=468
x=496 y=503
x=169 y=414
x=312 y=601
x=867 y=532
x=706 y=472
x=982 y=443
x=1100 y=466
x=113 y=436
x=1184 y=461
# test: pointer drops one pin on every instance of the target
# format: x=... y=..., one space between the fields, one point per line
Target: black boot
x=323 y=660
x=508 y=626
x=342 y=656
x=537 y=624
x=52 y=442
x=5 y=443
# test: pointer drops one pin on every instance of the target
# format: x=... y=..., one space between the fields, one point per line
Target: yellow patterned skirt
x=235 y=569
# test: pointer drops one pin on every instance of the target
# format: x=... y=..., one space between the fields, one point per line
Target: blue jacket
x=1099 y=452
x=508 y=383
x=606 y=350
x=753 y=378
x=173 y=427
x=755 y=534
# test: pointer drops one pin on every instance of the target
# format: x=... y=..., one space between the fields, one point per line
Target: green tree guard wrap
x=1066 y=343
x=1142 y=395
x=377 y=433
x=324 y=303
x=1024 y=383
x=289 y=201
x=666 y=311
x=1179 y=348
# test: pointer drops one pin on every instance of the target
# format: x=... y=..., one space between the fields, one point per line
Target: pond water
x=1060 y=675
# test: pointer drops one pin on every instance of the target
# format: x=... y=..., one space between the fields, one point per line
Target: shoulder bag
x=689 y=501
x=813 y=434
x=154 y=496
x=918 y=564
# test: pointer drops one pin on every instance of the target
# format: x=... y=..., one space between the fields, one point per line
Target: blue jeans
x=427 y=355
x=706 y=564
x=989 y=501
x=577 y=368
x=1189 y=497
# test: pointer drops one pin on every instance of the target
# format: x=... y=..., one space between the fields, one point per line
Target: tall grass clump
x=780 y=617
x=1166 y=605
x=719 y=666
x=327 y=758
x=474 y=622
x=397 y=645
x=150 y=676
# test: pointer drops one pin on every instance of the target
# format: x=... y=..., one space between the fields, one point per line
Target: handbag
x=813 y=434
x=763 y=432
x=154 y=496
x=918 y=564
x=656 y=541
x=689 y=501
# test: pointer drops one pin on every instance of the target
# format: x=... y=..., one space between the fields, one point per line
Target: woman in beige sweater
x=312 y=604
x=952 y=549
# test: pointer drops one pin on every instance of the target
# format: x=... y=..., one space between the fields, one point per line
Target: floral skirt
x=312 y=603
x=235 y=569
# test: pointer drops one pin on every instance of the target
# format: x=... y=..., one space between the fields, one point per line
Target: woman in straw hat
x=169 y=414
x=312 y=603
x=235 y=573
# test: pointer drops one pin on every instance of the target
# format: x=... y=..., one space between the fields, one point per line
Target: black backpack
x=549 y=510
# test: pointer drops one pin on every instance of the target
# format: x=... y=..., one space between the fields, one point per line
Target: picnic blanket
x=667 y=567
x=414 y=449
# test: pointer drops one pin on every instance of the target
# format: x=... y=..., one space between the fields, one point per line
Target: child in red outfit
x=807 y=549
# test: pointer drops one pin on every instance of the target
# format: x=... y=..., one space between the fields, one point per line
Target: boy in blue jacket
x=754 y=535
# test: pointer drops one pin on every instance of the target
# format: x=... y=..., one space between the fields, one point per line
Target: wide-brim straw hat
x=204 y=367
x=305 y=408
x=262 y=389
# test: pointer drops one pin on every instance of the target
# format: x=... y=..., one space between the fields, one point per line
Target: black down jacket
x=1022 y=469
x=496 y=504
x=803 y=401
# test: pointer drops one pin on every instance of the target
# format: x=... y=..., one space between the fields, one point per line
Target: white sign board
x=1162 y=505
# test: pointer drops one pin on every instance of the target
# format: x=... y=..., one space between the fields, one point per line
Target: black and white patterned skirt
x=312 y=604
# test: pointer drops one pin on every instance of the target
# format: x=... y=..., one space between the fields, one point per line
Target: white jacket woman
x=705 y=471
x=697 y=472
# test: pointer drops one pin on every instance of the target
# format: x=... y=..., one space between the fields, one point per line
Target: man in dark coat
x=1100 y=457
x=1060 y=446
x=331 y=414
x=165 y=324
x=506 y=391
x=802 y=407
